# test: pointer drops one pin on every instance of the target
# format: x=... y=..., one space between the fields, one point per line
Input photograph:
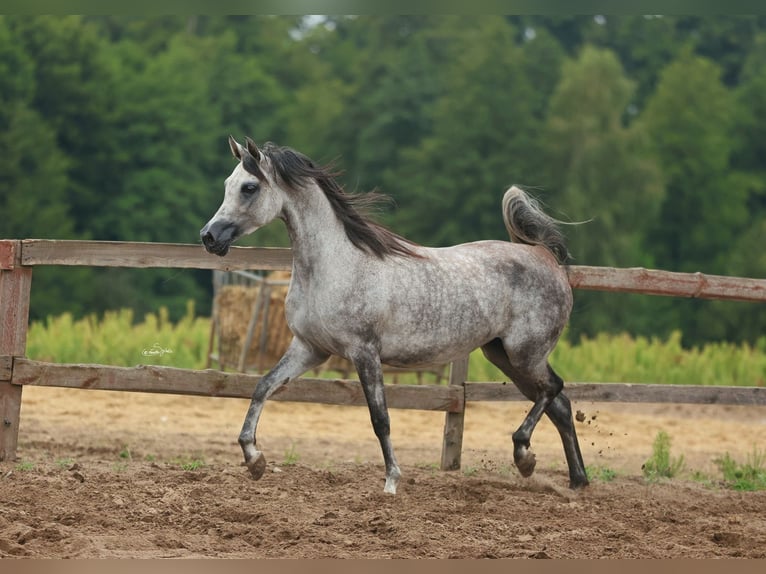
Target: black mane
x=293 y=168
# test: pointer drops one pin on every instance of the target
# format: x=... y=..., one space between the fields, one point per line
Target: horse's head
x=251 y=200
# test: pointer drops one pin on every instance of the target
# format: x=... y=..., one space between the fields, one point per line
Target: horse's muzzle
x=218 y=236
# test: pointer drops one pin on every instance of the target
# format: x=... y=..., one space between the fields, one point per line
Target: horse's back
x=523 y=272
x=457 y=298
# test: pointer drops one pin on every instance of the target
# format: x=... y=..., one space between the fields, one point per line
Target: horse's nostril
x=207 y=238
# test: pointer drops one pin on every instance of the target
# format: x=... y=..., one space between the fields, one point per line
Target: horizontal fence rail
x=654 y=282
x=213 y=383
x=180 y=255
x=628 y=393
x=18 y=257
x=447 y=398
x=149 y=255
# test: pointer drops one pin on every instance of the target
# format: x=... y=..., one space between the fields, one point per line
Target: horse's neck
x=316 y=234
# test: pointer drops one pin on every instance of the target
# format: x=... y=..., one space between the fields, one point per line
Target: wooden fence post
x=452 y=445
x=15 y=284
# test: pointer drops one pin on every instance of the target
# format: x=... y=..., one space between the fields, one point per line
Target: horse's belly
x=430 y=346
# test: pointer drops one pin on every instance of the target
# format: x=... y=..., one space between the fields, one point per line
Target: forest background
x=650 y=128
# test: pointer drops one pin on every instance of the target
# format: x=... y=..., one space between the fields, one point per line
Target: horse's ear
x=253 y=149
x=235 y=148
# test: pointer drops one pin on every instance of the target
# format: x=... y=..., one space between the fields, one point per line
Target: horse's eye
x=250 y=188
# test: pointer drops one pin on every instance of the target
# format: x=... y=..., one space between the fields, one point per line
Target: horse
x=360 y=291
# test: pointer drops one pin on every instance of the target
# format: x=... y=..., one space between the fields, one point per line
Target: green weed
x=470 y=470
x=602 y=473
x=64 y=462
x=291 y=456
x=189 y=462
x=195 y=464
x=702 y=478
x=25 y=466
x=661 y=464
x=748 y=476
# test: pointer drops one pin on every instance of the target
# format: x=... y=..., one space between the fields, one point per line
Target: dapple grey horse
x=362 y=292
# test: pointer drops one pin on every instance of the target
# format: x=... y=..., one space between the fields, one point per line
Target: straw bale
x=235 y=305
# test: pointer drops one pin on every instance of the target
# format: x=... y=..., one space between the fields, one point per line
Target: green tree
x=645 y=44
x=745 y=258
x=602 y=170
x=74 y=94
x=169 y=141
x=33 y=171
x=542 y=59
x=34 y=177
x=724 y=39
x=602 y=173
x=569 y=30
x=690 y=118
x=484 y=128
x=368 y=95
x=750 y=122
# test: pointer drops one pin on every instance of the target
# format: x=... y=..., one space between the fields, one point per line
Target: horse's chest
x=296 y=310
x=310 y=316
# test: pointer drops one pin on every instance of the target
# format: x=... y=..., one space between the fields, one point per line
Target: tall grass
x=625 y=359
x=117 y=338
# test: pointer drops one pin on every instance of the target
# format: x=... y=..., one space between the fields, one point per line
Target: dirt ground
x=107 y=474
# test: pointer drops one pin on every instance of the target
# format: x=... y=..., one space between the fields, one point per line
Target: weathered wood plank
x=628 y=393
x=209 y=382
x=6 y=367
x=142 y=255
x=145 y=255
x=452 y=443
x=8 y=255
x=10 y=417
x=15 y=286
x=656 y=282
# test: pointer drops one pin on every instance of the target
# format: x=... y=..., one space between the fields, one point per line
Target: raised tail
x=527 y=223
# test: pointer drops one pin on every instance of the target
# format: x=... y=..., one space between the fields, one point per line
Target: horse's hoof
x=391 y=483
x=257 y=466
x=525 y=461
x=578 y=484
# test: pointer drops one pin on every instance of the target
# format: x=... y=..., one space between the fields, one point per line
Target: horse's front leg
x=367 y=364
x=298 y=359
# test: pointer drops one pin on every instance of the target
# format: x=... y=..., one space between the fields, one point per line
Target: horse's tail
x=528 y=223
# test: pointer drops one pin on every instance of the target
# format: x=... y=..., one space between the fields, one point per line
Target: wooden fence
x=18 y=257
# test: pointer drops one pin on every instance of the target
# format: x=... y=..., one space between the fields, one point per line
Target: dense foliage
x=651 y=129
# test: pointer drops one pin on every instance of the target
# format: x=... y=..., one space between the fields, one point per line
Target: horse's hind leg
x=542 y=386
x=560 y=413
x=298 y=359
x=546 y=390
